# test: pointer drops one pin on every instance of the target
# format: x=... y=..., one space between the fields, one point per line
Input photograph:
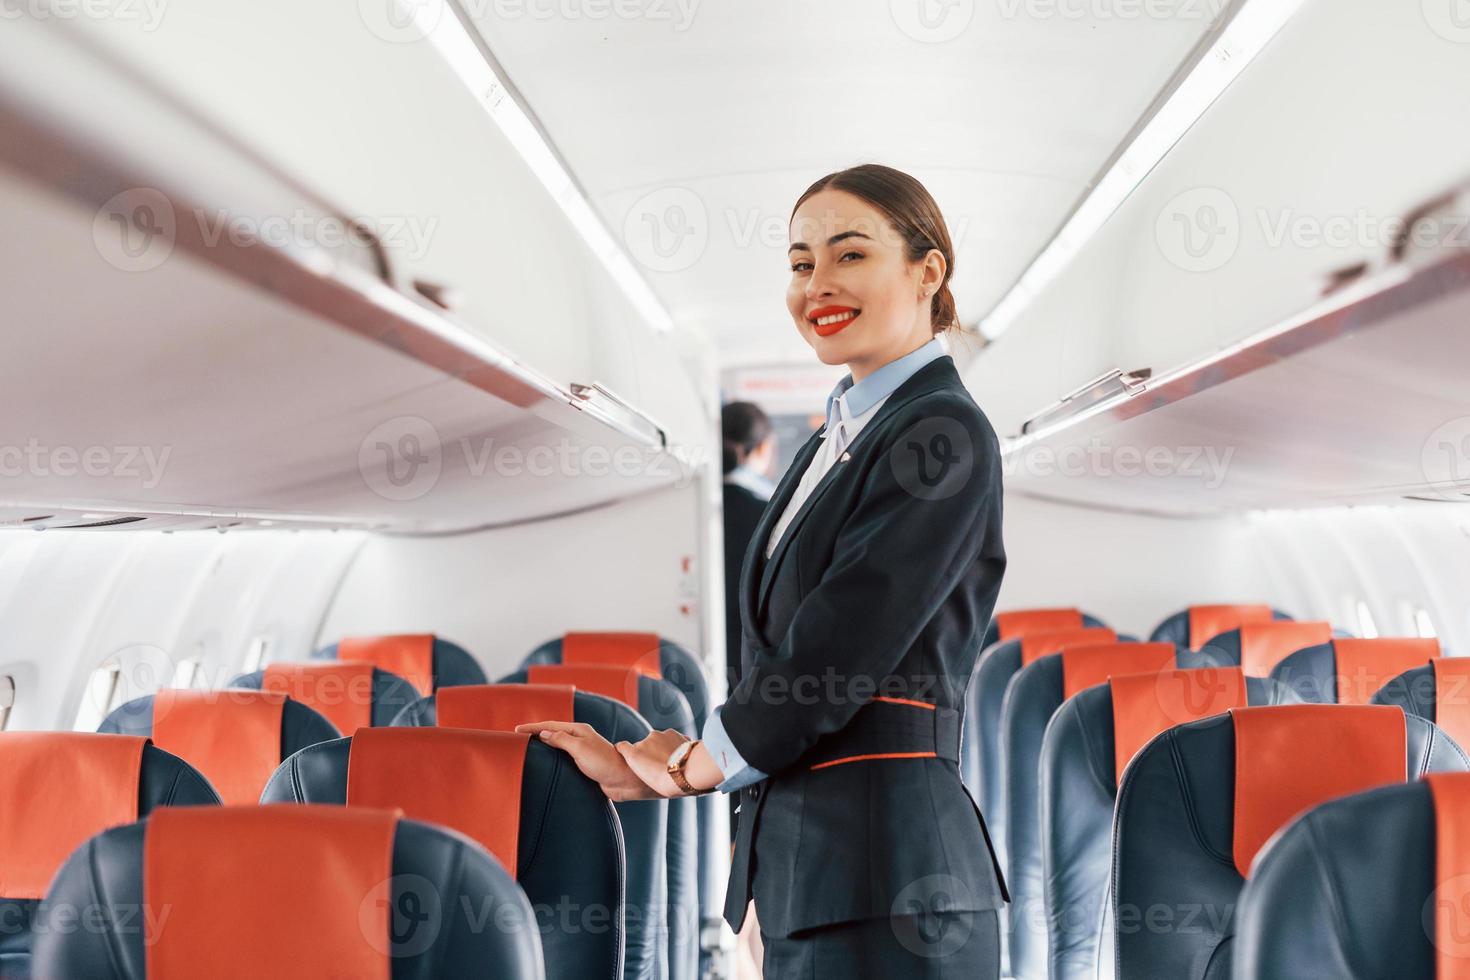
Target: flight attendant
x=863 y=597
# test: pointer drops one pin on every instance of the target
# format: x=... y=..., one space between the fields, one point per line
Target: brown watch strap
x=676 y=771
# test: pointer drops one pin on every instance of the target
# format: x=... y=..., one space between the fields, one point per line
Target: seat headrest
x=638 y=650
x=1147 y=704
x=1208 y=622
x=409 y=655
x=1264 y=645
x=291 y=892
x=501 y=707
x=1023 y=622
x=96 y=775
x=232 y=736
x=618 y=683
x=1290 y=758
x=1450 y=793
x=1044 y=643
x=1085 y=666
x=341 y=690
x=1364 y=666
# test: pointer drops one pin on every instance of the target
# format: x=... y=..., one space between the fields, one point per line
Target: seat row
x=1061 y=705
x=588 y=887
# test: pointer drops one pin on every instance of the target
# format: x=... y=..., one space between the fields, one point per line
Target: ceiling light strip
x=1247 y=34
x=452 y=37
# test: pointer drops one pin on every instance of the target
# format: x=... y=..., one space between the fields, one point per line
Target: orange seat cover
x=501 y=707
x=1364 y=666
x=342 y=690
x=1208 y=622
x=618 y=683
x=1144 y=705
x=470 y=781
x=1452 y=697
x=1082 y=667
x=1024 y=622
x=232 y=736
x=1264 y=645
x=1290 y=758
x=410 y=656
x=1451 y=896
x=638 y=650
x=1034 y=646
x=288 y=892
x=56 y=790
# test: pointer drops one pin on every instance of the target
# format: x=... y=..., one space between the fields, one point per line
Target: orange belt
x=891 y=728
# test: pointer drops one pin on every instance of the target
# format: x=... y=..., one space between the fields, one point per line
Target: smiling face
x=854 y=295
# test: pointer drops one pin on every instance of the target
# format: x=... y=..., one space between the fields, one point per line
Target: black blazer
x=883 y=584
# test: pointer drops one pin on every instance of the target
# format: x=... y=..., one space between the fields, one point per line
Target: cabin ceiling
x=706 y=121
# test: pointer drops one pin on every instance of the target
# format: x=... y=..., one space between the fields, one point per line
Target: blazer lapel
x=755 y=555
x=936 y=374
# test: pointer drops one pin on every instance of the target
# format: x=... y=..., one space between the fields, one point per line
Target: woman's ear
x=931 y=273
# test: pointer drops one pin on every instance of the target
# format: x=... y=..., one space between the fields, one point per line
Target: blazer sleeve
x=903 y=550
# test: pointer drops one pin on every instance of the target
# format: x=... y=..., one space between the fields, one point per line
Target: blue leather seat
x=1351 y=671
x=569 y=849
x=682 y=669
x=1258 y=647
x=662 y=707
x=162 y=780
x=389 y=695
x=1353 y=889
x=1183 y=828
x=1079 y=788
x=981 y=765
x=451 y=664
x=1033 y=696
x=1195 y=626
x=442 y=886
x=644 y=822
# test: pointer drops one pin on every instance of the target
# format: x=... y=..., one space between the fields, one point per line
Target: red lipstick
x=837 y=317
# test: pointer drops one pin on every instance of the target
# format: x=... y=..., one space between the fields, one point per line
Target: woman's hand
x=598 y=759
x=649 y=758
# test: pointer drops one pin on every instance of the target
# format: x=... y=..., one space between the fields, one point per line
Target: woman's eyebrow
x=831 y=241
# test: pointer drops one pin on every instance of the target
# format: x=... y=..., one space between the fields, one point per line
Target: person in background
x=749 y=456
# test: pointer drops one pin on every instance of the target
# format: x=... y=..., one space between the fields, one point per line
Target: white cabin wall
x=500 y=593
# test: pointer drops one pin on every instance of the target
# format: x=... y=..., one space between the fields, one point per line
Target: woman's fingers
x=576 y=729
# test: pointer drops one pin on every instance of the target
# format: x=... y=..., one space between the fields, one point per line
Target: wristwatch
x=677 y=761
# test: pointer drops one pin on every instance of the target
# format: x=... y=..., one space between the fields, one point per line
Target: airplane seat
x=1199 y=801
x=235 y=737
x=56 y=790
x=1195 y=626
x=661 y=706
x=1034 y=694
x=1016 y=623
x=1438 y=691
x=980 y=743
x=1352 y=671
x=1372 y=885
x=1257 y=648
x=526 y=803
x=500 y=708
x=1087 y=746
x=350 y=694
x=288 y=892
x=426 y=661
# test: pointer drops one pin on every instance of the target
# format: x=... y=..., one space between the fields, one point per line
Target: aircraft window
x=1367 y=629
x=7 y=699
x=255 y=656
x=186 y=674
x=1423 y=624
x=103 y=688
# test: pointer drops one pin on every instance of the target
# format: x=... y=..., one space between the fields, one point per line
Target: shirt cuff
x=737 y=772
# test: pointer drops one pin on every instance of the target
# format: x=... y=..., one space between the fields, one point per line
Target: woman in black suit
x=863 y=598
